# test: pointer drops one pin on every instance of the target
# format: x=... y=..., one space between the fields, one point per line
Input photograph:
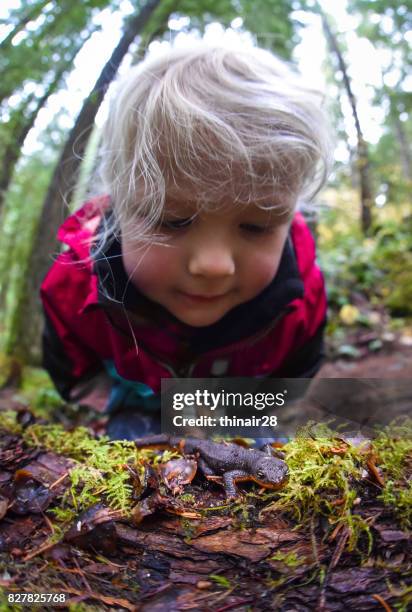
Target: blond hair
x=218 y=121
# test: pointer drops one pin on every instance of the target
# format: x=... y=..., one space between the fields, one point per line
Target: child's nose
x=212 y=261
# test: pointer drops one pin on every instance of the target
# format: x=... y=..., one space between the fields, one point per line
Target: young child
x=195 y=261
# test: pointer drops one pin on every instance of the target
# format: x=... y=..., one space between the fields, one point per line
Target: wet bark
x=246 y=560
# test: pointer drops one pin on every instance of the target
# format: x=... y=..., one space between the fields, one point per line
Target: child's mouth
x=201 y=298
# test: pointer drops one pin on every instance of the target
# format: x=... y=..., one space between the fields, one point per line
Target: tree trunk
x=27 y=337
x=404 y=147
x=363 y=165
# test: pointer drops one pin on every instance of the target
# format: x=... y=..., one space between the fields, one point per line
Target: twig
x=122 y=603
x=340 y=547
x=313 y=539
x=337 y=553
x=235 y=604
x=48 y=522
x=58 y=481
x=83 y=577
x=382 y=602
x=160 y=589
x=39 y=550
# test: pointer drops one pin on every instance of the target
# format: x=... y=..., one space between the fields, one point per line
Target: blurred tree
x=18 y=18
x=25 y=340
x=19 y=226
x=388 y=24
x=362 y=162
x=33 y=51
x=22 y=118
x=33 y=68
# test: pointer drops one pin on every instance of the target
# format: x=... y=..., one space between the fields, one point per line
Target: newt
x=231 y=461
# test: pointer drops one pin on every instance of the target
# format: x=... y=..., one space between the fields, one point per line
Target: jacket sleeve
x=62 y=368
x=70 y=362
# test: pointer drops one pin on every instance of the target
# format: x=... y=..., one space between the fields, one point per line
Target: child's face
x=207 y=265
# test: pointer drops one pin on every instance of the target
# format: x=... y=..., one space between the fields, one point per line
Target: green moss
x=322 y=481
x=103 y=464
x=8 y=421
x=394 y=449
x=290 y=559
x=187 y=498
x=64 y=515
x=326 y=475
x=38 y=390
x=7 y=607
x=404 y=598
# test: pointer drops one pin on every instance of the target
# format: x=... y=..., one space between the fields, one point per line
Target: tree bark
x=27 y=337
x=363 y=164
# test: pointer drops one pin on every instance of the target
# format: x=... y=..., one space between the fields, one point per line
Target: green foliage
x=221 y=581
x=379 y=267
x=344 y=256
x=17 y=232
x=9 y=421
x=39 y=391
x=36 y=51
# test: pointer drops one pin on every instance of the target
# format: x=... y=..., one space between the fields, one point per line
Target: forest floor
x=191 y=550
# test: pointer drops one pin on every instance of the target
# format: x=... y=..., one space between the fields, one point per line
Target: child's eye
x=177 y=223
x=254 y=229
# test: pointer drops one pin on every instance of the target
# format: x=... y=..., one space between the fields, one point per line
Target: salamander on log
x=231 y=461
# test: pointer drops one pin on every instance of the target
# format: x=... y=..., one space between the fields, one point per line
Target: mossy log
x=116 y=528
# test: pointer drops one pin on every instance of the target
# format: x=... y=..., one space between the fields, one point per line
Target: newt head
x=270 y=472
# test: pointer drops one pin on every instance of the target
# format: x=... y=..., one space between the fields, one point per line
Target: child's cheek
x=261 y=270
x=151 y=269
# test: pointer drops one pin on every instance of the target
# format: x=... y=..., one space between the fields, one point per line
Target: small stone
x=203 y=584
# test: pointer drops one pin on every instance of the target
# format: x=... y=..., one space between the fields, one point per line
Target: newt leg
x=206 y=469
x=229 y=481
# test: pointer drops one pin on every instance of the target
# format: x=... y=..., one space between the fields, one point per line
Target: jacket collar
x=117 y=295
